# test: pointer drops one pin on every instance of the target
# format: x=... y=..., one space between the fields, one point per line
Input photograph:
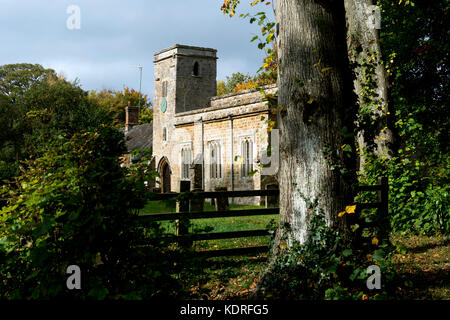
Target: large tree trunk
x=371 y=84
x=315 y=86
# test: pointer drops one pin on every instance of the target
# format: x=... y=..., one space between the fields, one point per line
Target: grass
x=225 y=224
x=164 y=206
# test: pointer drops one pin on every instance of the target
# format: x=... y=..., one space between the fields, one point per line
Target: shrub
x=417 y=203
x=75 y=205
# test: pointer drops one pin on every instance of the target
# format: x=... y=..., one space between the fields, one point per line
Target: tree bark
x=315 y=85
x=371 y=83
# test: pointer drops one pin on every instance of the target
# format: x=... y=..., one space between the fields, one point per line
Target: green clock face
x=163 y=105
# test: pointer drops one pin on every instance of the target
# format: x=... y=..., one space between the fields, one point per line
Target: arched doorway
x=164 y=174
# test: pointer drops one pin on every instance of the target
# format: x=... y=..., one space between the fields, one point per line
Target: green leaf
x=332 y=268
x=379 y=255
x=347 y=148
x=347 y=252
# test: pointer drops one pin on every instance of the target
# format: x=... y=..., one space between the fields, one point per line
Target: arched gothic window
x=215 y=160
x=247 y=155
x=185 y=162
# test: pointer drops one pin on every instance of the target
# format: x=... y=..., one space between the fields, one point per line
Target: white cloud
x=116 y=36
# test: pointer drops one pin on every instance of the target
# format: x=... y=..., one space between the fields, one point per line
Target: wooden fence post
x=221 y=202
x=196 y=203
x=272 y=201
x=182 y=225
x=383 y=198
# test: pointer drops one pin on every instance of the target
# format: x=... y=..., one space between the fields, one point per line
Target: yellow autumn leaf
x=326 y=69
x=341 y=214
x=350 y=209
x=265 y=65
x=283 y=245
x=317 y=63
x=375 y=241
x=310 y=101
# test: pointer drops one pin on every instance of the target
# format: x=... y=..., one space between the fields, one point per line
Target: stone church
x=212 y=141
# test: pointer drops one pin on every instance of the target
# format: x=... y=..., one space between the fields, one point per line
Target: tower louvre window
x=195 y=69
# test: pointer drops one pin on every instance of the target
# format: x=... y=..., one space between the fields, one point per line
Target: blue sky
x=117 y=36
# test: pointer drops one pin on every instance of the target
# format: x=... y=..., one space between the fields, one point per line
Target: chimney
x=131 y=116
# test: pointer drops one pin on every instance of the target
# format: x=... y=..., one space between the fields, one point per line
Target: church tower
x=185 y=80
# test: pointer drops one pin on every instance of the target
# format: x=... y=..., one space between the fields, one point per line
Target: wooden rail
x=208 y=214
x=215 y=194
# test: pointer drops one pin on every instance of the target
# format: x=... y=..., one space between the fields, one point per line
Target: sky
x=113 y=37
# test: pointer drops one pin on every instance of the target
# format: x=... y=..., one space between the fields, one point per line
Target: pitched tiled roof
x=139 y=137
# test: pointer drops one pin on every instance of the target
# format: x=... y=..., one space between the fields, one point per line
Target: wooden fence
x=184 y=215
